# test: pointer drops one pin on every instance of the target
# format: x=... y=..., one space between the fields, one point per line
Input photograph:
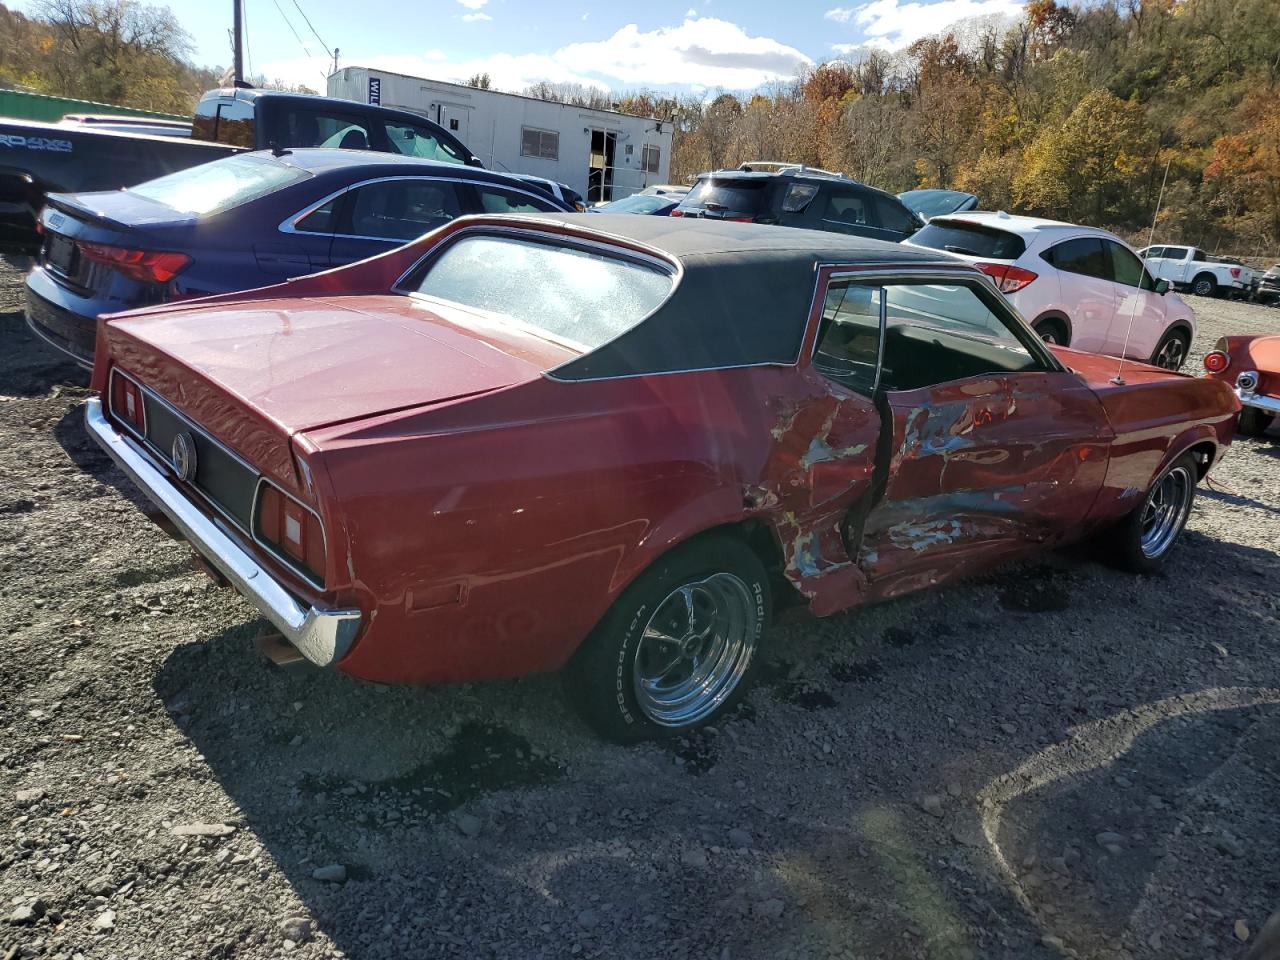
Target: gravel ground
x=1057 y=760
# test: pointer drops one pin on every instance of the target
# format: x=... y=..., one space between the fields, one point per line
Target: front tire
x=1204 y=286
x=679 y=648
x=1144 y=539
x=1171 y=352
x=1254 y=422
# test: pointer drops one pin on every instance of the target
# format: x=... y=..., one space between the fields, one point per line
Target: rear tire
x=1171 y=352
x=1052 y=330
x=1204 y=286
x=1143 y=540
x=1254 y=422
x=679 y=648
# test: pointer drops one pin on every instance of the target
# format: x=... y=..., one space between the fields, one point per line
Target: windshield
x=579 y=297
x=221 y=185
x=970 y=239
x=637 y=203
x=935 y=203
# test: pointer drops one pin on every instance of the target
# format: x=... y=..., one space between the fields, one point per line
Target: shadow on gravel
x=1236 y=500
x=31 y=368
x=472 y=822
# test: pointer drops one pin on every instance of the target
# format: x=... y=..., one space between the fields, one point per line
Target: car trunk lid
x=299 y=364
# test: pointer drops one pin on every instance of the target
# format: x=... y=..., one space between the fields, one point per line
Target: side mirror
x=1162 y=287
x=475 y=162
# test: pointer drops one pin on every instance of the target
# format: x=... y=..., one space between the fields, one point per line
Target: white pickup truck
x=1191 y=268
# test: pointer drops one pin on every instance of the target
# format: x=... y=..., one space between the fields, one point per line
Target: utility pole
x=335 y=59
x=237 y=43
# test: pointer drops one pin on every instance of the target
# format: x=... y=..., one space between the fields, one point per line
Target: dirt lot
x=1058 y=760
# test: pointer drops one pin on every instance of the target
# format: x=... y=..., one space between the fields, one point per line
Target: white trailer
x=603 y=154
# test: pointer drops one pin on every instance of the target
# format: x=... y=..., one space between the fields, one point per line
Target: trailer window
x=539 y=143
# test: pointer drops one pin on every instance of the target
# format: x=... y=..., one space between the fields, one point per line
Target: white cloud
x=840 y=14
x=704 y=52
x=473 y=4
x=473 y=17
x=893 y=24
x=690 y=13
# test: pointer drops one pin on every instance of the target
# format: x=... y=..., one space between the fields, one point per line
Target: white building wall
x=491 y=124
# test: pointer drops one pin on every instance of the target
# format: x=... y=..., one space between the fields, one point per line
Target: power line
x=296 y=36
x=324 y=45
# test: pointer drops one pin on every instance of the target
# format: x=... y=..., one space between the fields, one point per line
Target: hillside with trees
x=1074 y=113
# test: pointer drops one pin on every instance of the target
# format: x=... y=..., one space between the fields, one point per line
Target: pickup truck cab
x=42 y=158
x=1192 y=269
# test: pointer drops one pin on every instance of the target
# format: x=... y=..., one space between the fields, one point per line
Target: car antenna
x=1151 y=238
x=277 y=150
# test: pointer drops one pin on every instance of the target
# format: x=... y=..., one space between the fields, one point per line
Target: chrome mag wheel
x=1171 y=354
x=695 y=650
x=1165 y=511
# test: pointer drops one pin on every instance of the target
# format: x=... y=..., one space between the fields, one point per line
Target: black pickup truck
x=41 y=158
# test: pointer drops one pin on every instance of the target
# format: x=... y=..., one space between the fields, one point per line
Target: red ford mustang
x=1252 y=365
x=614 y=445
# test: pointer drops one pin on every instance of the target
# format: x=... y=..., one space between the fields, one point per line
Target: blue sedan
x=245 y=221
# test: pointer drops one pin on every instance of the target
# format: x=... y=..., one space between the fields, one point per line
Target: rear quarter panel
x=486 y=538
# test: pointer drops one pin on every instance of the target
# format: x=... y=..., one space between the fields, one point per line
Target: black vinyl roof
x=744 y=298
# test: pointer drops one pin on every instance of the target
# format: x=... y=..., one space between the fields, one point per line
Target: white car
x=1077 y=286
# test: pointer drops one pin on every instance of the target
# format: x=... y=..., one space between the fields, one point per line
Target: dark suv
x=797 y=196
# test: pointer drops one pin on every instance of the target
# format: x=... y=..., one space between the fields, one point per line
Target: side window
x=1152 y=253
x=934 y=334
x=319 y=220
x=798 y=197
x=894 y=216
x=1200 y=255
x=651 y=158
x=539 y=143
x=402 y=209
x=848 y=209
x=848 y=347
x=1126 y=268
x=937 y=333
x=309 y=128
x=415 y=141
x=498 y=200
x=1084 y=256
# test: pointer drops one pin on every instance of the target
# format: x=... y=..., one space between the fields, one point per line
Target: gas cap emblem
x=184 y=456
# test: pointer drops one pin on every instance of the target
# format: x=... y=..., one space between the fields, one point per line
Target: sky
x=660 y=44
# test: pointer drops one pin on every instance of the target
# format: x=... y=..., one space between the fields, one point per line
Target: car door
x=1154 y=258
x=1088 y=295
x=848 y=210
x=1177 y=265
x=993 y=448
x=379 y=215
x=1139 y=319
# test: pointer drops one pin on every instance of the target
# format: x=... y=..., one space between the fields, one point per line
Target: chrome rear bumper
x=322 y=636
x=1259 y=401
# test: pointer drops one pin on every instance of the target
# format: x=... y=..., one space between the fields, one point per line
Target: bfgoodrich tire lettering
x=679 y=648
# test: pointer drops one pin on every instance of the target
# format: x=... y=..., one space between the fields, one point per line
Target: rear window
x=579 y=297
x=729 y=196
x=970 y=239
x=935 y=203
x=221 y=185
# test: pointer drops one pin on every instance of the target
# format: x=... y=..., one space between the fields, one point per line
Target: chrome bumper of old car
x=322 y=636
x=1246 y=389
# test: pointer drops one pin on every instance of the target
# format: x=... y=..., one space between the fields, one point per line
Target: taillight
x=677 y=213
x=145 y=266
x=126 y=402
x=1215 y=361
x=1235 y=273
x=290 y=528
x=1009 y=279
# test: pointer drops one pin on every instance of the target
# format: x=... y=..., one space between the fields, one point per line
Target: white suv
x=1077 y=286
